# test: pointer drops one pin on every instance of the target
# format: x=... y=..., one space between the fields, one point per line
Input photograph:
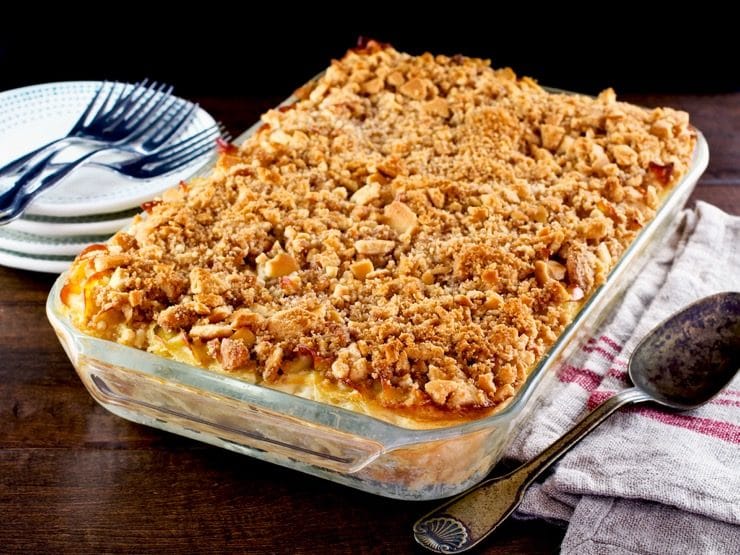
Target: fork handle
x=30 y=185
x=33 y=163
x=17 y=166
x=466 y=520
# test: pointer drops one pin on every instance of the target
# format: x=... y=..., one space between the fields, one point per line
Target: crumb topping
x=419 y=229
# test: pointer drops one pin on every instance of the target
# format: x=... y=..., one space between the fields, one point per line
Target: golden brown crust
x=421 y=226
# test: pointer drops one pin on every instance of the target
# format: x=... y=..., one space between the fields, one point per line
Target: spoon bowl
x=681 y=364
x=687 y=359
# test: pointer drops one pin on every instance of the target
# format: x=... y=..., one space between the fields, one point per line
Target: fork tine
x=81 y=120
x=158 y=96
x=134 y=103
x=165 y=115
x=125 y=95
x=138 y=100
x=132 y=95
x=204 y=139
x=207 y=134
x=103 y=110
x=176 y=122
x=181 y=161
x=145 y=118
x=124 y=99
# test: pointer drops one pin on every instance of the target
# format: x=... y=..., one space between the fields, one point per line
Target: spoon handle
x=464 y=521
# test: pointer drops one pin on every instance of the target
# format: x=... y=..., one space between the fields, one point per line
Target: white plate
x=27 y=243
x=102 y=224
x=33 y=116
x=49 y=264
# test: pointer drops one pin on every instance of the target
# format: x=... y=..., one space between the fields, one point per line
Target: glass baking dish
x=334 y=443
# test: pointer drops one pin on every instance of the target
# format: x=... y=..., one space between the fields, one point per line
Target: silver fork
x=114 y=108
x=161 y=162
x=168 y=159
x=147 y=126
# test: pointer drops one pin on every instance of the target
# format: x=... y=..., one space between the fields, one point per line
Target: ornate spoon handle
x=466 y=520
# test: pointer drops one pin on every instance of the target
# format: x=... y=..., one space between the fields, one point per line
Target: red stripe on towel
x=728 y=402
x=604 y=353
x=587 y=379
x=613 y=344
x=721 y=430
x=598 y=397
x=705 y=426
x=620 y=375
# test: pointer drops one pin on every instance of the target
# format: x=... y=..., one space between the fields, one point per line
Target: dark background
x=223 y=49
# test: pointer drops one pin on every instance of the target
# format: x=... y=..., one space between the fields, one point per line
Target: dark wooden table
x=74 y=478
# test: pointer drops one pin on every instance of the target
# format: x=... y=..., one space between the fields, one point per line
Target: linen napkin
x=647 y=480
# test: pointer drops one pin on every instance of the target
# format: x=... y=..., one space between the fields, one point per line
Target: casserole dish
x=326 y=440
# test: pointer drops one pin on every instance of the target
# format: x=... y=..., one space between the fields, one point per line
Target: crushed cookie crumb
x=421 y=226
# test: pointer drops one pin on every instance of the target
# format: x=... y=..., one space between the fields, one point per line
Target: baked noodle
x=407 y=239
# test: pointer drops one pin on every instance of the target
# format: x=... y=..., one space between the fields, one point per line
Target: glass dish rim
x=336 y=417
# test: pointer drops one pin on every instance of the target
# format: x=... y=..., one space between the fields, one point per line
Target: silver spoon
x=681 y=364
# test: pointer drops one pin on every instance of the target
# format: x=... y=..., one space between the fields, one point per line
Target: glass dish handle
x=222 y=421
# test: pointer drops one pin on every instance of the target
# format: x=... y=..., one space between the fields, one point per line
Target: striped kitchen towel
x=648 y=480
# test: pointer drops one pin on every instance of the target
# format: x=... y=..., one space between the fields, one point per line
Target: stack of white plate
x=49 y=244
x=88 y=206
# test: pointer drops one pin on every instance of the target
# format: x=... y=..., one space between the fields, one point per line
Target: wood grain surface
x=74 y=478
